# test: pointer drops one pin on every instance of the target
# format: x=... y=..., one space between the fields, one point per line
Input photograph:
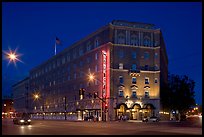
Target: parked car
x=22 y=119
x=151 y=119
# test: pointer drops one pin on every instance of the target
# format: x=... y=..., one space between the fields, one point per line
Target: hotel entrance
x=135 y=112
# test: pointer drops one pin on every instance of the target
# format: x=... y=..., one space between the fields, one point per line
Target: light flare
x=12 y=56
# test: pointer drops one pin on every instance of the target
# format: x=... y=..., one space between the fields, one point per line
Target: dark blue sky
x=32 y=28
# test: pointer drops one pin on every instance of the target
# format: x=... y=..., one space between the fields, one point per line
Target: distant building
x=21 y=95
x=7 y=108
x=129 y=63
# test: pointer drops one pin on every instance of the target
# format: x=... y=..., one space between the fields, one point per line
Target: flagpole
x=55 y=48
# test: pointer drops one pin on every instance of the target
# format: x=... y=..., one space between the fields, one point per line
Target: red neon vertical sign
x=104 y=75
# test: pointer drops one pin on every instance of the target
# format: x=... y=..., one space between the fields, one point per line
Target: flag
x=58 y=42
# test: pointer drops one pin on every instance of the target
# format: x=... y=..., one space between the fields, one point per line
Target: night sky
x=32 y=28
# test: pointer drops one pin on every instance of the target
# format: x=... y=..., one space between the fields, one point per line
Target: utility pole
x=65 y=108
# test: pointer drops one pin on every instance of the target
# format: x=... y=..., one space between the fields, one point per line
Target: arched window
x=146 y=41
x=146 y=91
x=134 y=40
x=121 y=38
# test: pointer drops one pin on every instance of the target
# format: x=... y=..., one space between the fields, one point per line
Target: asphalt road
x=48 y=127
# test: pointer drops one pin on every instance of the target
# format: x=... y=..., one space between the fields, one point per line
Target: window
x=146 y=80
x=96 y=44
x=147 y=41
x=96 y=82
x=134 y=40
x=155 y=80
x=121 y=93
x=81 y=63
x=155 y=55
x=134 y=95
x=74 y=66
x=68 y=57
x=88 y=47
x=146 y=94
x=74 y=54
x=96 y=68
x=121 y=79
x=88 y=59
x=80 y=51
x=121 y=54
x=146 y=67
x=89 y=70
x=121 y=38
x=68 y=78
x=134 y=55
x=53 y=65
x=121 y=66
x=156 y=67
x=96 y=56
x=146 y=55
x=75 y=75
x=134 y=66
x=134 y=80
x=63 y=60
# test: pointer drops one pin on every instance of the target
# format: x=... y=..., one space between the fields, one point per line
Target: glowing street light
x=91 y=77
x=36 y=97
x=12 y=56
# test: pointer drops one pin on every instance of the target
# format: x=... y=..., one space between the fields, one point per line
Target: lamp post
x=91 y=78
x=36 y=97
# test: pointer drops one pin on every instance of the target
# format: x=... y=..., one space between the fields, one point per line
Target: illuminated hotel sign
x=104 y=57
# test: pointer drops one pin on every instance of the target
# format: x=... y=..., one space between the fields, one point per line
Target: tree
x=178 y=94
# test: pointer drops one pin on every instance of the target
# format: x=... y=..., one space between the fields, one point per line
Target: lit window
x=146 y=80
x=4 y=105
x=134 y=95
x=134 y=80
x=155 y=80
x=146 y=94
x=121 y=93
x=121 y=79
x=121 y=66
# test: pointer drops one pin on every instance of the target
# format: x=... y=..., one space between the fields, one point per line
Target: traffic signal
x=95 y=94
x=106 y=106
x=83 y=90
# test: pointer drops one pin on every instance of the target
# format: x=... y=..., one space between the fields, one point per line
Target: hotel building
x=128 y=64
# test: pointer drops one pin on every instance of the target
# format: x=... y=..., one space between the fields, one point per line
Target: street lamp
x=91 y=78
x=36 y=97
x=12 y=56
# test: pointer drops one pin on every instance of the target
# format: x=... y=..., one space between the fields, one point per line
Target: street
x=54 y=127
